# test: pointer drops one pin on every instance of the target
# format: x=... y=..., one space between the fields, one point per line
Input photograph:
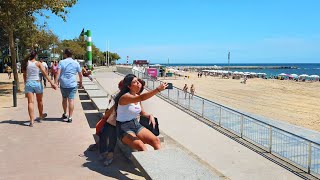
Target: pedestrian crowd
x=126 y=119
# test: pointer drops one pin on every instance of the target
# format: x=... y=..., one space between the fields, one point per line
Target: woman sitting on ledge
x=86 y=72
x=128 y=108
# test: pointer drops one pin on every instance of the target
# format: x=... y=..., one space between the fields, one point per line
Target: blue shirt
x=69 y=69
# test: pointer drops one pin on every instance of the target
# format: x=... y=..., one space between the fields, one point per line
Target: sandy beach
x=293 y=102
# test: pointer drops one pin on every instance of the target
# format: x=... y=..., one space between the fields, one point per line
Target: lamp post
x=17 y=43
x=50 y=48
x=61 y=54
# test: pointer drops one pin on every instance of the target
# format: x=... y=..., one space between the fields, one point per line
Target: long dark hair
x=33 y=54
x=124 y=89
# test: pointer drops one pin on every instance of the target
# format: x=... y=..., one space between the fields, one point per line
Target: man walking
x=44 y=64
x=67 y=70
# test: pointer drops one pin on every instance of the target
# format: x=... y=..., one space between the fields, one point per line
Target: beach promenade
x=223 y=154
x=58 y=150
x=53 y=149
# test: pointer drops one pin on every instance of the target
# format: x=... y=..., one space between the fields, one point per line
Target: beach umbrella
x=282 y=74
x=240 y=73
x=253 y=73
x=314 y=76
x=304 y=75
x=294 y=75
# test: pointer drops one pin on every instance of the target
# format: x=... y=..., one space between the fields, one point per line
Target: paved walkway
x=54 y=149
x=225 y=155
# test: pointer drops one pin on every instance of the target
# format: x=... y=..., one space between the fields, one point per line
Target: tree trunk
x=13 y=59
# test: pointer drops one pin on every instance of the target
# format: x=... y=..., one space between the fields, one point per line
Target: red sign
x=140 y=62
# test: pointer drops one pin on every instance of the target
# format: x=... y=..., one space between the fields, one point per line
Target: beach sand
x=6 y=98
x=297 y=103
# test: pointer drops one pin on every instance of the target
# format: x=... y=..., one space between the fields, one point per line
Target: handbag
x=144 y=121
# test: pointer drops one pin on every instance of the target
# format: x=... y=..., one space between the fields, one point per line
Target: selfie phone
x=170 y=86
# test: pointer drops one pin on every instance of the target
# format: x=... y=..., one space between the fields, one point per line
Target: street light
x=50 y=48
x=61 y=54
x=17 y=42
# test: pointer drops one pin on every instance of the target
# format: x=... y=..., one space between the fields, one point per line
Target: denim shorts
x=124 y=128
x=68 y=92
x=33 y=86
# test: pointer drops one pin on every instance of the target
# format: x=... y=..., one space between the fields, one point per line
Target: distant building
x=140 y=62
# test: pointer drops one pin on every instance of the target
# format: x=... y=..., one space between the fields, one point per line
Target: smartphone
x=170 y=86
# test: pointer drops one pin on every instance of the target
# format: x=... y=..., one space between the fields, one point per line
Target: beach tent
x=282 y=74
x=314 y=77
x=304 y=75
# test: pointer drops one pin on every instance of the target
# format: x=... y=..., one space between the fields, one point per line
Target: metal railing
x=294 y=149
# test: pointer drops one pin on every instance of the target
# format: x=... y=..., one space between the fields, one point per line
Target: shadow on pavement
x=4 y=92
x=87 y=106
x=92 y=119
x=84 y=97
x=54 y=119
x=22 y=123
x=120 y=168
x=81 y=91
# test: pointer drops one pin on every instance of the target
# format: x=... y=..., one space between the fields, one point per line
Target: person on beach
x=185 y=90
x=31 y=69
x=192 y=90
x=67 y=70
x=106 y=130
x=44 y=64
x=128 y=108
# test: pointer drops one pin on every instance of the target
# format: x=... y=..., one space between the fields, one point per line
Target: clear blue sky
x=199 y=31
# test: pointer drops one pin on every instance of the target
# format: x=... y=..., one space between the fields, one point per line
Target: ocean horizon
x=300 y=68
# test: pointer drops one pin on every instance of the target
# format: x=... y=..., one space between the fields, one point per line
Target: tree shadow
x=15 y=122
x=119 y=168
x=4 y=92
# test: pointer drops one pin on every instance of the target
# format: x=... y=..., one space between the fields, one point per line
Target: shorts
x=68 y=92
x=33 y=86
x=124 y=128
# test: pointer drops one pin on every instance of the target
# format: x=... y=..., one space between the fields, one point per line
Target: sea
x=300 y=68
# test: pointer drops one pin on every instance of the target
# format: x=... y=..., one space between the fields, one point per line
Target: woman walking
x=55 y=71
x=128 y=108
x=33 y=85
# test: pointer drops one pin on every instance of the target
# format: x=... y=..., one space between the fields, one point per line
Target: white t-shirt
x=128 y=112
x=44 y=64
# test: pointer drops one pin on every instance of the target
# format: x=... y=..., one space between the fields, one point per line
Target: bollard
x=14 y=90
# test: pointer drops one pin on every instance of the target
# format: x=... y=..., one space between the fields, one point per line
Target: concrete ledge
x=127 y=151
x=170 y=164
x=101 y=103
x=85 y=79
x=88 y=83
x=96 y=94
x=90 y=87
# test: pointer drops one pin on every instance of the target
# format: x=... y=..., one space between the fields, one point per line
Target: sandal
x=31 y=124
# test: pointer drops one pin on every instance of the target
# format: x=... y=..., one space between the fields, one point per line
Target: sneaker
x=69 y=120
x=64 y=116
x=44 y=115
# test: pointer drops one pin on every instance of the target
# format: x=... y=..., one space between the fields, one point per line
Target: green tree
x=17 y=13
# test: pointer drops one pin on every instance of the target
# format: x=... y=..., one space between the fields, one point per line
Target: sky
x=199 y=31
